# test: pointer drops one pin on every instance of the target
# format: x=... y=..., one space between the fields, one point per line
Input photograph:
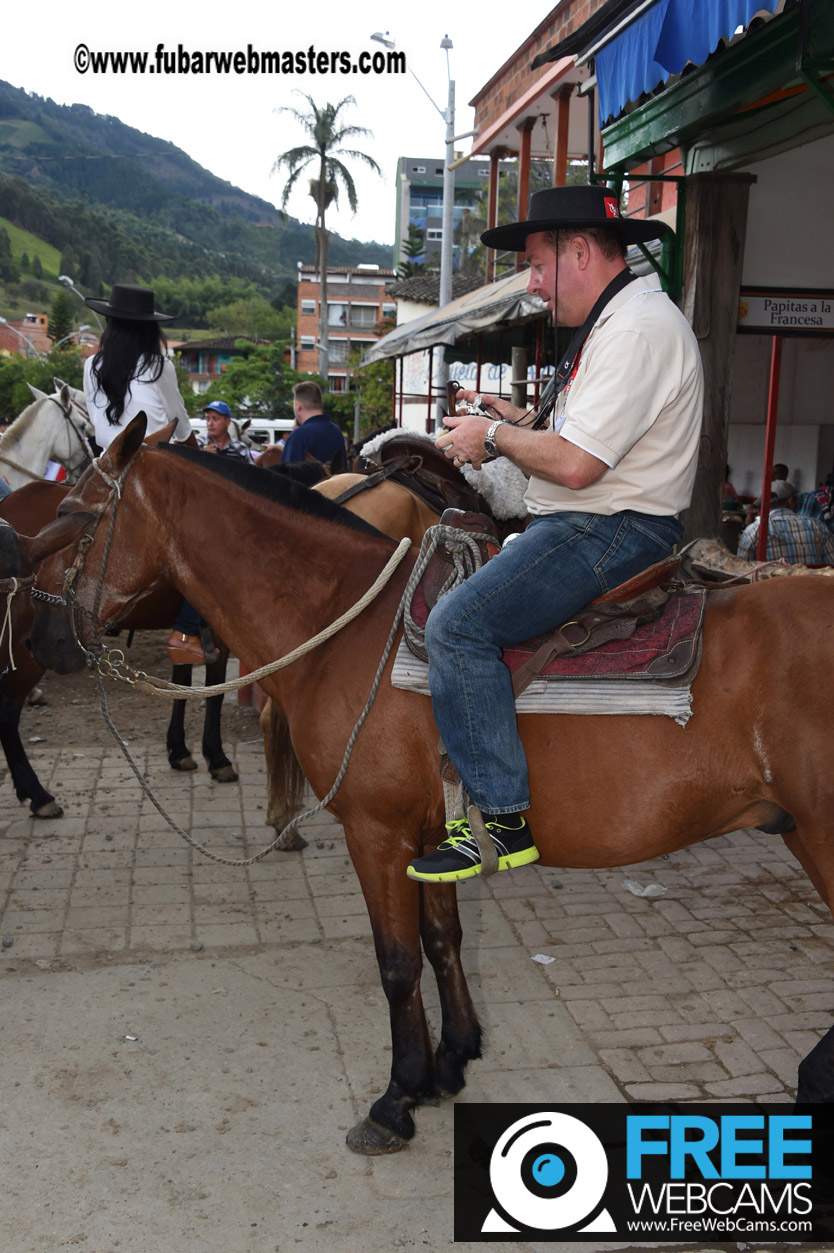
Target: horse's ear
x=126 y=445
x=65 y=393
x=36 y=392
x=162 y=436
x=52 y=538
x=58 y=383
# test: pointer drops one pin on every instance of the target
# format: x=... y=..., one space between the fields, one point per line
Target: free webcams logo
x=548 y=1171
x=660 y=1172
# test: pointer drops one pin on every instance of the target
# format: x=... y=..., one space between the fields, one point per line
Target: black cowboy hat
x=563 y=208
x=135 y=304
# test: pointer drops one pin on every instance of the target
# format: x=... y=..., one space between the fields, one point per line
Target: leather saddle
x=429 y=474
x=611 y=618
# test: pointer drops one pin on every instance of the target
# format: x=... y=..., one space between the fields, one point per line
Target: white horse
x=51 y=428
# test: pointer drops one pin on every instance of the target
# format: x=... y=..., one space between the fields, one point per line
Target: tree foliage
x=60 y=317
x=16 y=372
x=323 y=153
x=260 y=382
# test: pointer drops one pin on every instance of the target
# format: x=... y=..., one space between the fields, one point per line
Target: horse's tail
x=285 y=782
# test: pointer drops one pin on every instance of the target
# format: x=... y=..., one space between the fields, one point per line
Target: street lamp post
x=31 y=350
x=448 y=214
x=79 y=333
x=67 y=282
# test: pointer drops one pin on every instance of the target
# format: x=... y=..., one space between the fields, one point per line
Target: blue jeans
x=561 y=563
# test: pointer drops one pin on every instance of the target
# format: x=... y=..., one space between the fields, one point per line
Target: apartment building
x=356 y=305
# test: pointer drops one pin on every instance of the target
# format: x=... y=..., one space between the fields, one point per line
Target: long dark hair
x=128 y=347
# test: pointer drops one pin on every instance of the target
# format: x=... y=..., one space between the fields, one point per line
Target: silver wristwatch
x=489 y=440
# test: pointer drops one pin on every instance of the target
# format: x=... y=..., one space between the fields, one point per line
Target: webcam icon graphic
x=548 y=1172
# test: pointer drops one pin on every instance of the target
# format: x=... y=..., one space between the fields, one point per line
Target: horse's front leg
x=394 y=908
x=220 y=768
x=460 y=1038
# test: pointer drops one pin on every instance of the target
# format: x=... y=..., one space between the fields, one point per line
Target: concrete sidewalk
x=185 y=1045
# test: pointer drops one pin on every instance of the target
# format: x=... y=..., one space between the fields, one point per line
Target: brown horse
x=388 y=506
x=607 y=791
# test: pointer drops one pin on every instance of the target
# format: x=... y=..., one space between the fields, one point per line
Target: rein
x=11 y=587
x=457 y=542
x=102 y=669
x=453 y=538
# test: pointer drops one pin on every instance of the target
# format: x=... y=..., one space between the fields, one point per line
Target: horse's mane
x=307 y=472
x=22 y=422
x=277 y=487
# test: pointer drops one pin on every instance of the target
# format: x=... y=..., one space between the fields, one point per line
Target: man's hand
x=498 y=407
x=463 y=439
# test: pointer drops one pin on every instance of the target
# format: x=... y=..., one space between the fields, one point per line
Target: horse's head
x=69 y=598
x=53 y=427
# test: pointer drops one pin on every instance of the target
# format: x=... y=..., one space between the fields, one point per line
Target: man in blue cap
x=217 y=438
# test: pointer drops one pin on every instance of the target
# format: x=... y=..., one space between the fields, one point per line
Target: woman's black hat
x=127 y=301
x=571 y=208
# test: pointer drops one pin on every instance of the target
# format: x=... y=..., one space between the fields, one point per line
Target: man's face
x=217 y=426
x=567 y=298
x=541 y=257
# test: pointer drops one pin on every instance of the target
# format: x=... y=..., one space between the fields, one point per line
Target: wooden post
x=518 y=377
x=526 y=132
x=560 y=153
x=716 y=226
x=492 y=209
x=770 y=443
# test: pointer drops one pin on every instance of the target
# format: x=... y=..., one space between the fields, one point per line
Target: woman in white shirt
x=130 y=372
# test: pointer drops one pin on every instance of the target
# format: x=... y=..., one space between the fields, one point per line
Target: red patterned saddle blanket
x=637 y=631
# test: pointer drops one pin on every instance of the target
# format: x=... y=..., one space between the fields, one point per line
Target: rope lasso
x=458 y=543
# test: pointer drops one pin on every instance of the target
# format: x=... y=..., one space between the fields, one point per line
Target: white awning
x=484 y=309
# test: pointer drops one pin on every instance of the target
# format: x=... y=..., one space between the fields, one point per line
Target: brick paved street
x=713 y=989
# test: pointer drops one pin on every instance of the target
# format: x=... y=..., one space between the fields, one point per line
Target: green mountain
x=122 y=204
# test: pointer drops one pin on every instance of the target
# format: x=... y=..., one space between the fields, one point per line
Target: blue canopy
x=661 y=41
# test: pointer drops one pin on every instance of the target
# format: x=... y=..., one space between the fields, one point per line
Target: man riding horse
x=611 y=454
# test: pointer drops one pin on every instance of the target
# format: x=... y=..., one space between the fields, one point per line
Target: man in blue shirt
x=315 y=436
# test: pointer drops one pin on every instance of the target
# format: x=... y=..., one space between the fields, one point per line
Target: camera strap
x=559 y=381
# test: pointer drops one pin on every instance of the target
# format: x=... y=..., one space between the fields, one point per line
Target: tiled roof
x=224 y=343
x=425 y=288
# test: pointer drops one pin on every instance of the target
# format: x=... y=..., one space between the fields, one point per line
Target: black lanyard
x=559 y=381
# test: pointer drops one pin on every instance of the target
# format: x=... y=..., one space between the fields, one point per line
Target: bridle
x=69 y=600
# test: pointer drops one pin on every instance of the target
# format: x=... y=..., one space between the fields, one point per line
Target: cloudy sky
x=228 y=122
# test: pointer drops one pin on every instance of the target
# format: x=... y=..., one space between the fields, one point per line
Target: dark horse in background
x=606 y=791
x=28 y=510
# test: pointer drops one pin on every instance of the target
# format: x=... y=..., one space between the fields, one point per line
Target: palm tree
x=327 y=134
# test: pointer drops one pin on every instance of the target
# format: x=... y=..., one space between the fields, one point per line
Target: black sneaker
x=459 y=857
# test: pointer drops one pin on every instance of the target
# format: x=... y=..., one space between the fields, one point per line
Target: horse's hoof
x=184 y=763
x=437 y=1097
x=293 y=843
x=371 y=1140
x=50 y=810
x=225 y=774
x=36 y=697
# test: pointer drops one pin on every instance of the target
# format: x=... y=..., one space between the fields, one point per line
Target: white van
x=260 y=431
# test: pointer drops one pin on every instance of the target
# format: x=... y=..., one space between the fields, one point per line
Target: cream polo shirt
x=636 y=403
x=159 y=399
